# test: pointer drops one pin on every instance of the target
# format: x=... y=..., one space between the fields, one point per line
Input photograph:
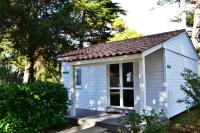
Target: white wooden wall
x=179 y=54
x=93 y=92
x=136 y=87
x=163 y=79
x=155 y=91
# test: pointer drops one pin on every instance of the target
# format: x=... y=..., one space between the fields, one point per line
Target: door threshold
x=118 y=110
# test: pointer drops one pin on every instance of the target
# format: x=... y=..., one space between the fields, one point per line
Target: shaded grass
x=188 y=122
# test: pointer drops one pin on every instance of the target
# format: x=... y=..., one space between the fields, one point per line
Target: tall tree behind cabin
x=45 y=28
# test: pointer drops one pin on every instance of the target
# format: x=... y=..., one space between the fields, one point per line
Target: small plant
x=131 y=122
x=155 y=123
x=147 y=122
x=191 y=88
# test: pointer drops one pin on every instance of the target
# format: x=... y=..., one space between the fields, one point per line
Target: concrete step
x=105 y=120
x=118 y=110
x=78 y=129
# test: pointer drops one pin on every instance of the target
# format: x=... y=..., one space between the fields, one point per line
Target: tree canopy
x=41 y=29
x=96 y=18
x=31 y=28
x=123 y=32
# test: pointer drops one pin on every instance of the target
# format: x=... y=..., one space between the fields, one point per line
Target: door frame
x=120 y=88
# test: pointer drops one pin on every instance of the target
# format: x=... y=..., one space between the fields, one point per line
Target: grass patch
x=188 y=122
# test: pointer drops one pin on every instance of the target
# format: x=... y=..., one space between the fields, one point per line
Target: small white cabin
x=135 y=74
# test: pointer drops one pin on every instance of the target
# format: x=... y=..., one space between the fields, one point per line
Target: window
x=78 y=76
x=114 y=75
x=128 y=98
x=114 y=97
x=122 y=85
x=127 y=74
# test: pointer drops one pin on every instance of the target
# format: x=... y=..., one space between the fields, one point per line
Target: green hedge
x=32 y=108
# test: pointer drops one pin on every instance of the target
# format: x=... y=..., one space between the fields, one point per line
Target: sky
x=143 y=19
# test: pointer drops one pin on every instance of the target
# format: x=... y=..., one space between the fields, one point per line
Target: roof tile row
x=119 y=48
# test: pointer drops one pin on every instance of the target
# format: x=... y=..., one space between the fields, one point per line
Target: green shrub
x=27 y=108
x=132 y=123
x=147 y=122
x=11 y=123
x=191 y=88
x=155 y=122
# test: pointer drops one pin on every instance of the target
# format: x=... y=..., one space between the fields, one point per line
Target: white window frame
x=120 y=88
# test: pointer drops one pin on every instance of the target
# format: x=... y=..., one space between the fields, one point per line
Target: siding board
x=93 y=91
x=156 y=95
x=179 y=55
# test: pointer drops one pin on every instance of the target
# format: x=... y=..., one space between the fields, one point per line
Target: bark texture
x=29 y=72
x=183 y=14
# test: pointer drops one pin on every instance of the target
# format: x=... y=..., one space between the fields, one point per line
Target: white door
x=121 y=85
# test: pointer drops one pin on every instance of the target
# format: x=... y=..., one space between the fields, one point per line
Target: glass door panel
x=114 y=85
x=114 y=75
x=128 y=75
x=128 y=98
x=128 y=92
x=115 y=97
x=121 y=85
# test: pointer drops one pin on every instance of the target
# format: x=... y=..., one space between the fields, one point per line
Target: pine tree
x=44 y=28
x=96 y=18
x=32 y=27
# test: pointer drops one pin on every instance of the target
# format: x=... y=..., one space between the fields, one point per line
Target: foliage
x=32 y=107
x=155 y=123
x=10 y=123
x=35 y=29
x=8 y=75
x=198 y=50
x=47 y=71
x=191 y=88
x=189 y=18
x=124 y=31
x=10 y=57
x=96 y=19
x=147 y=122
x=132 y=122
x=11 y=65
x=163 y=2
x=32 y=28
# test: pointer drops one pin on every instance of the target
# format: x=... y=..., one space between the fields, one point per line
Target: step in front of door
x=114 y=110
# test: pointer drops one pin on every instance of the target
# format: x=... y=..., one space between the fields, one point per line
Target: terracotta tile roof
x=119 y=48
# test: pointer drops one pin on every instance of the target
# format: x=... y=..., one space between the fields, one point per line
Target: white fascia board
x=151 y=50
x=108 y=60
x=159 y=46
x=184 y=33
x=191 y=43
x=61 y=58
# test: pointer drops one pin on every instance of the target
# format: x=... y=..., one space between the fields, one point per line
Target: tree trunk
x=195 y=28
x=29 y=71
x=183 y=14
x=81 y=42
